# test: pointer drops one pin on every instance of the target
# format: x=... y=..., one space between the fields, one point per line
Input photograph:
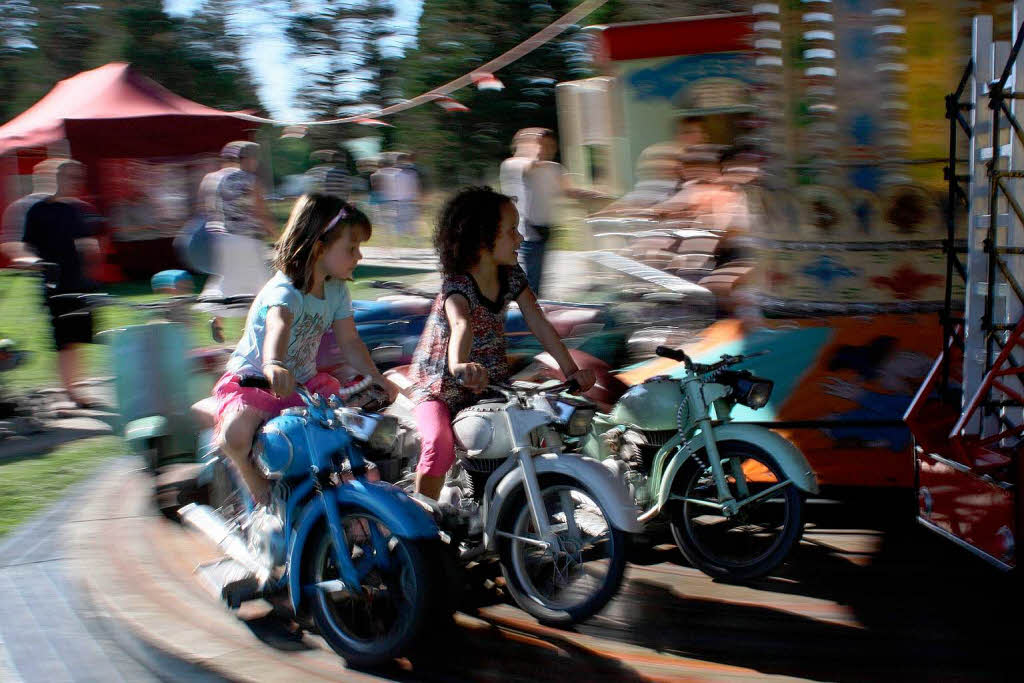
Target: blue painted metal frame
x=399 y=513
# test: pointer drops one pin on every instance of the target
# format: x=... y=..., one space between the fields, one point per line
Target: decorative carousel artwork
x=911 y=212
x=826 y=215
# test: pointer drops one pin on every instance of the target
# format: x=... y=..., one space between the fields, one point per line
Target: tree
x=214 y=46
x=197 y=57
x=456 y=36
x=17 y=21
x=44 y=41
x=340 y=46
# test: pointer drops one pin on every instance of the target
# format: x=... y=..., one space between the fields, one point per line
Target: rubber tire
x=447 y=580
x=715 y=568
x=597 y=602
x=419 y=552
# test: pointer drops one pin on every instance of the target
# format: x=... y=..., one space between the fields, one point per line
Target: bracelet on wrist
x=278 y=363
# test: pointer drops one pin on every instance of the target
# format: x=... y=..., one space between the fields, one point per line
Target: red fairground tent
x=115 y=111
x=134 y=136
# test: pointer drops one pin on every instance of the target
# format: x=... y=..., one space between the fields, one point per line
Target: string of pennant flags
x=483 y=78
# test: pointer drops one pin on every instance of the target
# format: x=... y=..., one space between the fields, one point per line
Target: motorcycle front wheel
x=751 y=543
x=381 y=618
x=569 y=583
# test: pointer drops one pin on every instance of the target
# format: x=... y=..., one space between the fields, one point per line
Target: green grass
x=24 y=319
x=28 y=485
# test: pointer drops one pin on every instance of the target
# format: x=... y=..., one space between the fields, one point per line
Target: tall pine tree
x=340 y=48
x=456 y=36
x=17 y=23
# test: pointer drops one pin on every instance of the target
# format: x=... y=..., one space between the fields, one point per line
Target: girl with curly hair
x=463 y=346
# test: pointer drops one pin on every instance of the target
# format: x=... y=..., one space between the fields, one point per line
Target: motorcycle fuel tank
x=650 y=406
x=287 y=446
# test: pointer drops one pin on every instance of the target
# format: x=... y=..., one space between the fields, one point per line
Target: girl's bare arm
x=460 y=344
x=275 y=347
x=545 y=333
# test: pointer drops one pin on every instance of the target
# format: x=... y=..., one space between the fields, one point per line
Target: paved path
x=47 y=631
x=854 y=604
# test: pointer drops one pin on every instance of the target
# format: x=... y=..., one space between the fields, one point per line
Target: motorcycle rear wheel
x=595 y=553
x=751 y=544
x=386 y=615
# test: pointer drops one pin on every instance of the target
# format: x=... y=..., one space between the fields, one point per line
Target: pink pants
x=437 y=443
x=232 y=397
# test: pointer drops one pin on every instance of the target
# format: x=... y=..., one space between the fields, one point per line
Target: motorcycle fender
x=598 y=479
x=139 y=432
x=389 y=504
x=789 y=457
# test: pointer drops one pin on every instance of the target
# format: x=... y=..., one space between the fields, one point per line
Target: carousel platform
x=856 y=601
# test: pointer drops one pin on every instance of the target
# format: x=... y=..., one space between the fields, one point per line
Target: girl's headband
x=334 y=221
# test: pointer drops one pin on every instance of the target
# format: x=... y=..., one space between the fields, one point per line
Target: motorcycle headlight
x=379 y=432
x=753 y=392
x=573 y=417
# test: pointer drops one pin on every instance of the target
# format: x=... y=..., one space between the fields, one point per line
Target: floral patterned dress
x=431 y=379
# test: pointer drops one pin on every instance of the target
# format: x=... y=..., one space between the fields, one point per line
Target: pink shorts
x=437 y=443
x=232 y=398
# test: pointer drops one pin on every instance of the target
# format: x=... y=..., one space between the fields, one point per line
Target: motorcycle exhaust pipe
x=205 y=520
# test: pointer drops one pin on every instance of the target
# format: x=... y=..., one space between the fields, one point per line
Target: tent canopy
x=113 y=111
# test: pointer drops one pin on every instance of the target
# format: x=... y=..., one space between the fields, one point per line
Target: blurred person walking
x=537 y=183
x=12 y=227
x=232 y=200
x=406 y=195
x=330 y=176
x=382 y=191
x=56 y=230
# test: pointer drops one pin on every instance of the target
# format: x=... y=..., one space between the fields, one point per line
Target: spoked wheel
x=582 y=570
x=381 y=618
x=754 y=541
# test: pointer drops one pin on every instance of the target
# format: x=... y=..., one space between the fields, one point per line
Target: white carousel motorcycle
x=557 y=522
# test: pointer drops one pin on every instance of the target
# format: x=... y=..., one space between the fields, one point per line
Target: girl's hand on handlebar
x=282 y=383
x=585 y=378
x=387 y=385
x=473 y=376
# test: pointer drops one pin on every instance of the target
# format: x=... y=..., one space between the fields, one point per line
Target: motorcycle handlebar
x=680 y=355
x=227 y=301
x=673 y=354
x=571 y=386
x=254 y=382
x=260 y=382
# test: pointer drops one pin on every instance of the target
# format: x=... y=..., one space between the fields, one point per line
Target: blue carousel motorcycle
x=357 y=556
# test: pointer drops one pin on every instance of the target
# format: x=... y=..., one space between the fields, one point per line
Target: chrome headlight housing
x=748 y=390
x=377 y=431
x=572 y=415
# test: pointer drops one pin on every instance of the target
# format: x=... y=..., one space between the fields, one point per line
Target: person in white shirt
x=536 y=182
x=406 y=195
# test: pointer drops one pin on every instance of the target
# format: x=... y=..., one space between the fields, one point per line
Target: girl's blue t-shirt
x=311 y=317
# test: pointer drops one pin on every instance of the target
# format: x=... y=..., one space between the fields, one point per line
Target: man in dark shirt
x=56 y=231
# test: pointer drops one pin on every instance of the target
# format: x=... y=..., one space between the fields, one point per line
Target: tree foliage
x=341 y=49
x=456 y=36
x=44 y=41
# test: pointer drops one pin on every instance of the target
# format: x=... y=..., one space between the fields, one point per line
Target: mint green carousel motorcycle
x=733 y=494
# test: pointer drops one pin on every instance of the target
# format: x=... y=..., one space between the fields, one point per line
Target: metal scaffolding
x=993 y=387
